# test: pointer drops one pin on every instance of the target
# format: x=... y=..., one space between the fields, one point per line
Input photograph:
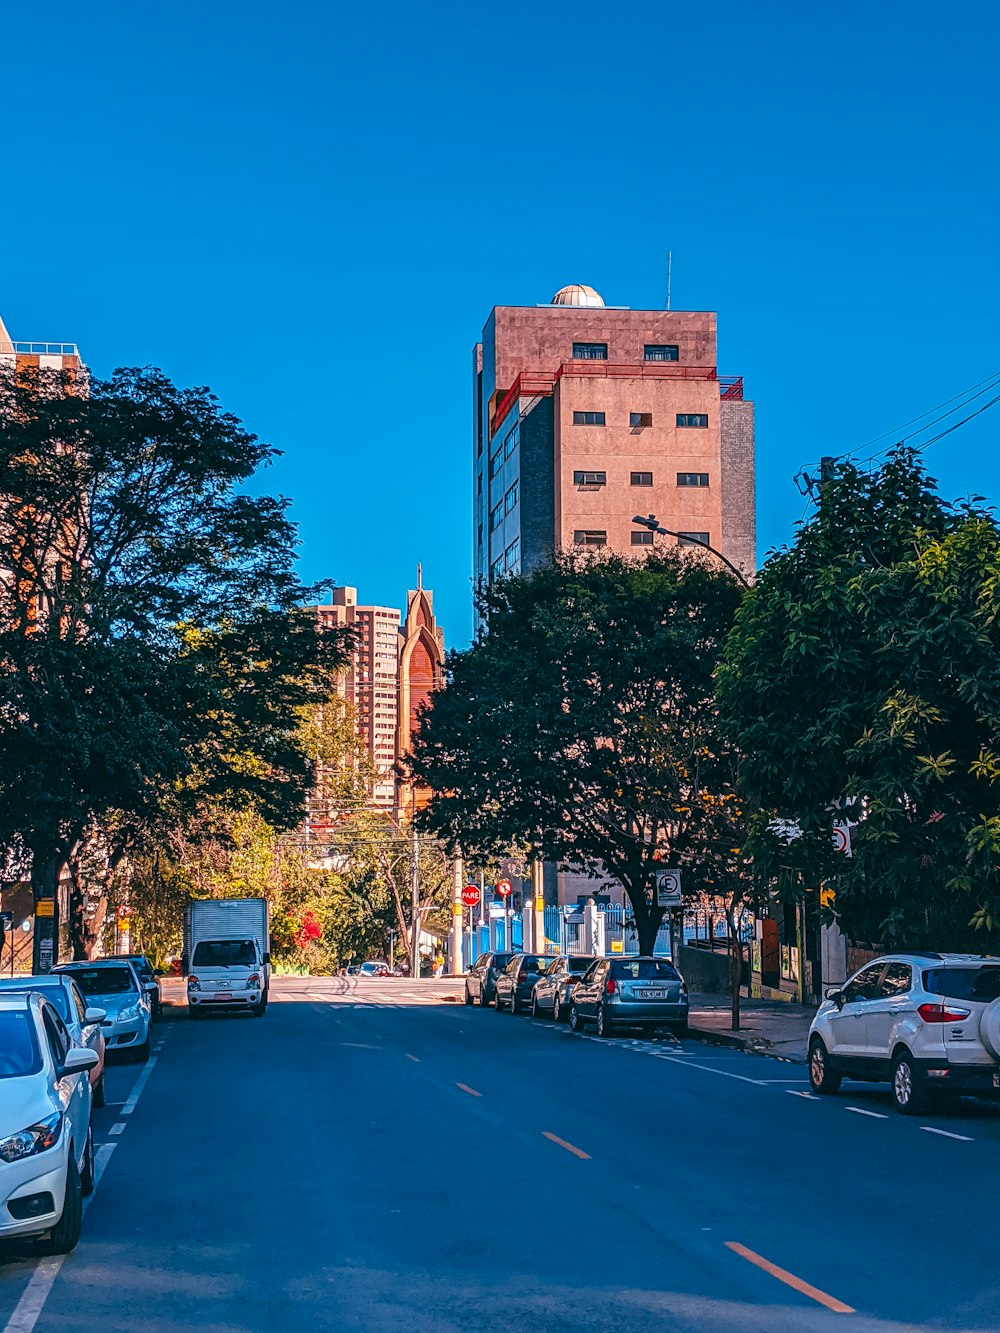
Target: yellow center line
x=790 y=1280
x=471 y=1091
x=414 y=1058
x=577 y=1152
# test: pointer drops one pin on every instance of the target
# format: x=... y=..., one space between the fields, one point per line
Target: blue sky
x=313 y=208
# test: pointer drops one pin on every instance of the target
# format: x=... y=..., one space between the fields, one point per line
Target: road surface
x=366 y=1159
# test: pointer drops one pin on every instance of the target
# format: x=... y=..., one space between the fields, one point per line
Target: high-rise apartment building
x=586 y=414
x=393 y=669
x=40 y=355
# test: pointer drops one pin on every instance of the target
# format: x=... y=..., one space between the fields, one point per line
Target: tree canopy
x=582 y=725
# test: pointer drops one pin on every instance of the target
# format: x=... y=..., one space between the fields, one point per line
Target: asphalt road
x=367 y=1160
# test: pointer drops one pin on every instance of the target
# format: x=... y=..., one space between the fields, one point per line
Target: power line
x=988 y=381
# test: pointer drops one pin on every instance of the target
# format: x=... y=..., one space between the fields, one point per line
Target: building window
x=642 y=538
x=698 y=419
x=642 y=479
x=479 y=484
x=496 y=461
x=512 y=555
x=590 y=479
x=693 y=538
x=480 y=534
x=496 y=515
x=660 y=352
x=692 y=479
x=589 y=537
x=640 y=419
x=496 y=569
x=511 y=498
x=590 y=351
x=588 y=418
x=511 y=440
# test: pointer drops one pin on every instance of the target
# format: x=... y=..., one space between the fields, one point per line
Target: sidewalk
x=766 y=1026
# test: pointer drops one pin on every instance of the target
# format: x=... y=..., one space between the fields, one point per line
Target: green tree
x=582 y=725
x=862 y=678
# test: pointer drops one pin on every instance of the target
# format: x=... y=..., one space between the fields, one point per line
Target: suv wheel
x=909 y=1093
x=468 y=996
x=822 y=1078
x=575 y=1021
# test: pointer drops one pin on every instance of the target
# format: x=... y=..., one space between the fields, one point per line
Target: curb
x=754 y=1045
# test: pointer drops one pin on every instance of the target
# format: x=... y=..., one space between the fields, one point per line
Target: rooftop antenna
x=670 y=266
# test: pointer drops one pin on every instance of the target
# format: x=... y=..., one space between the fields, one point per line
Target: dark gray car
x=516 y=982
x=481 y=983
x=642 y=992
x=554 y=988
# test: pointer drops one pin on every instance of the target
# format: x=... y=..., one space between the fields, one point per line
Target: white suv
x=925 y=1022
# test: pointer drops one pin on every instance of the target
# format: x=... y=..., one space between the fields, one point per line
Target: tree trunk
x=735 y=964
x=647 y=921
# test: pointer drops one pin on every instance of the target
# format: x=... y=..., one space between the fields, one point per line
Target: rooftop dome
x=577 y=295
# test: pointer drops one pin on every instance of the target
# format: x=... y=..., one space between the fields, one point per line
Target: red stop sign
x=471 y=895
x=504 y=888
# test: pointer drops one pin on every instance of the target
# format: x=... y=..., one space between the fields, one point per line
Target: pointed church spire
x=420 y=577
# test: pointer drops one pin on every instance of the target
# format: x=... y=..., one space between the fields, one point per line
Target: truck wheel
x=261 y=1009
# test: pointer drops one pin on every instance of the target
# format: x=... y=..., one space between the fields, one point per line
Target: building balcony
x=40 y=349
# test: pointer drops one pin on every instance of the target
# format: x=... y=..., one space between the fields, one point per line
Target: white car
x=926 y=1023
x=112 y=984
x=46 y=1142
x=82 y=1022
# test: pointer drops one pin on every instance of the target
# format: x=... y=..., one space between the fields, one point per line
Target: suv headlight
x=253 y=981
x=34 y=1139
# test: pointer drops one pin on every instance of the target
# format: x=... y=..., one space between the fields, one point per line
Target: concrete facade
x=587 y=415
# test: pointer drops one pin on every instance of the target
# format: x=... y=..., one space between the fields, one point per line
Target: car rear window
x=579 y=965
x=104 y=980
x=19 y=1053
x=56 y=996
x=533 y=962
x=501 y=959
x=964 y=983
x=644 y=969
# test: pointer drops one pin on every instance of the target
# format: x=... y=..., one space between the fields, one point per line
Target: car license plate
x=653 y=994
x=996 y=1080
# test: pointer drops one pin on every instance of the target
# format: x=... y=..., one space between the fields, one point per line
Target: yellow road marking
x=471 y=1091
x=577 y=1152
x=790 y=1280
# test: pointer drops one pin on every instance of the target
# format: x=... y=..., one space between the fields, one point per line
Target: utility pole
x=415 y=947
x=457 y=915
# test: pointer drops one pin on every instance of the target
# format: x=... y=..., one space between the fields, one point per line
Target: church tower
x=421 y=671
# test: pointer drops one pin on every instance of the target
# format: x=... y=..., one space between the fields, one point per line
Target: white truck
x=227 y=955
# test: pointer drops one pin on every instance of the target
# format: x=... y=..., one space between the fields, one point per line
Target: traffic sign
x=45 y=907
x=504 y=888
x=471 y=895
x=842 y=838
x=668 y=888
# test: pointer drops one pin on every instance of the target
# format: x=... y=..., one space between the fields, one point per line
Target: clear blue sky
x=313 y=208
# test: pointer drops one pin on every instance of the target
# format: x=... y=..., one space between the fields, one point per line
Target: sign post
x=505 y=889
x=668 y=895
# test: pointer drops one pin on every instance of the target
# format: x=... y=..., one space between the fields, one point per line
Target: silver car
x=642 y=992
x=82 y=1022
x=112 y=985
x=554 y=988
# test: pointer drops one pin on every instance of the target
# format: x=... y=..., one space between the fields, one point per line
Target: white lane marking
x=26 y=1313
x=809 y=1096
x=947 y=1134
x=138 y=1086
x=117 y=1129
x=860 y=1110
x=723 y=1073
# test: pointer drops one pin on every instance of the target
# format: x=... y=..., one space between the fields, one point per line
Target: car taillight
x=941 y=1013
x=523 y=974
x=611 y=987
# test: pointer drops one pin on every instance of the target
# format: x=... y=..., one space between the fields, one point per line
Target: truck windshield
x=225 y=953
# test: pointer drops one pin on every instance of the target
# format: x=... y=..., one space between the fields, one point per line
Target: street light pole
x=650 y=522
x=415 y=947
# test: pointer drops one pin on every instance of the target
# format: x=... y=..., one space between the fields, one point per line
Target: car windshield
x=56 y=996
x=104 y=980
x=644 y=969
x=225 y=953
x=964 y=983
x=19 y=1053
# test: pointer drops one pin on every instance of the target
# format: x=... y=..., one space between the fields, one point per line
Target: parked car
x=926 y=1023
x=112 y=985
x=642 y=992
x=82 y=1022
x=481 y=983
x=554 y=987
x=147 y=979
x=46 y=1141
x=516 y=982
x=374 y=968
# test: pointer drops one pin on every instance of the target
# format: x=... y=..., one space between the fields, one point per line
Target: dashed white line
x=809 y=1096
x=947 y=1134
x=117 y=1129
x=140 y=1083
x=724 y=1073
x=860 y=1110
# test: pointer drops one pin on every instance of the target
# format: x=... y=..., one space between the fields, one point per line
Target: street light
x=650 y=522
